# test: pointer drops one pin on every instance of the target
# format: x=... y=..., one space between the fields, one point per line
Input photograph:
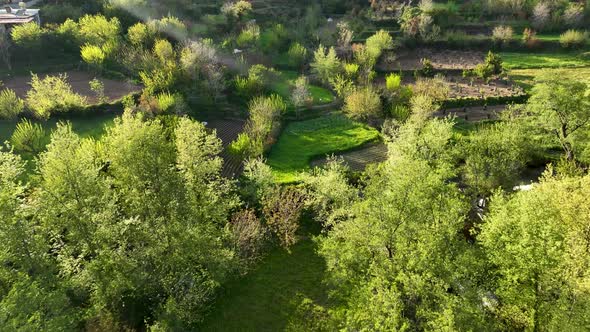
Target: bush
x=573 y=39
x=60 y=13
x=297 y=55
x=379 y=42
x=529 y=38
x=52 y=94
x=427 y=69
x=541 y=15
x=10 y=104
x=393 y=81
x=502 y=35
x=98 y=30
x=363 y=104
x=97 y=87
x=28 y=137
x=249 y=35
x=140 y=35
x=574 y=15
x=326 y=64
x=93 y=55
x=28 y=36
x=170 y=26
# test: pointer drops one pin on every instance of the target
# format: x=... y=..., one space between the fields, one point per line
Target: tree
x=363 y=104
x=561 y=106
x=28 y=137
x=536 y=241
x=11 y=105
x=301 y=97
x=52 y=94
x=389 y=255
x=325 y=64
x=495 y=156
x=98 y=30
x=28 y=36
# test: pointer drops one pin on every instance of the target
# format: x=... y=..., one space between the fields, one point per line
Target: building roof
x=18 y=16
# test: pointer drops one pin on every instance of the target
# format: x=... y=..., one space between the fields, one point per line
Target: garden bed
x=440 y=59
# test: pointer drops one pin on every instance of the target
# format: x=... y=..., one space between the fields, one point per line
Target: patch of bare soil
x=358 y=160
x=228 y=130
x=113 y=89
x=473 y=114
x=440 y=59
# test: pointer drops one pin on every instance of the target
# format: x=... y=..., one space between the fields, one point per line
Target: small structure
x=10 y=17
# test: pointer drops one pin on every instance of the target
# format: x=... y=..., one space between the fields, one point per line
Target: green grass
x=525 y=77
x=284 y=86
x=301 y=141
x=266 y=299
x=88 y=125
x=516 y=60
x=542 y=37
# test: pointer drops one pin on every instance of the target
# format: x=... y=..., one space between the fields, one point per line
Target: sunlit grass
x=526 y=77
x=301 y=141
x=514 y=60
x=284 y=87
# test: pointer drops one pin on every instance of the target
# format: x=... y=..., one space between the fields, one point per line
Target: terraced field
x=228 y=130
x=359 y=159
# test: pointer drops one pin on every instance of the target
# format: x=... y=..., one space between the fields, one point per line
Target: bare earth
x=440 y=59
x=114 y=89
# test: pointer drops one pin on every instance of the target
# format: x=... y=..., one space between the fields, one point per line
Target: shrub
x=52 y=94
x=61 y=13
x=28 y=36
x=236 y=9
x=97 y=87
x=379 y=42
x=164 y=51
x=245 y=146
x=140 y=35
x=351 y=70
x=28 y=137
x=301 y=96
x=249 y=35
x=363 y=104
x=541 y=15
x=170 y=26
x=427 y=69
x=326 y=64
x=10 y=104
x=529 y=38
x=342 y=85
x=273 y=40
x=98 y=30
x=573 y=39
x=93 y=55
x=393 y=81
x=170 y=103
x=502 y=34
x=297 y=55
x=573 y=15
x=282 y=213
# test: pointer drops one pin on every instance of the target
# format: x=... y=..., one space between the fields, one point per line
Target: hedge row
x=488 y=101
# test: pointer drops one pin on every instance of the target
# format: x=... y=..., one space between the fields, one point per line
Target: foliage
x=529 y=38
x=502 y=34
x=249 y=35
x=248 y=235
x=301 y=96
x=282 y=213
x=437 y=88
x=363 y=104
x=10 y=104
x=495 y=156
x=28 y=36
x=325 y=64
x=297 y=55
x=535 y=241
x=541 y=15
x=379 y=42
x=98 y=30
x=52 y=94
x=561 y=106
x=573 y=39
x=97 y=86
x=28 y=137
x=140 y=34
x=93 y=55
x=169 y=26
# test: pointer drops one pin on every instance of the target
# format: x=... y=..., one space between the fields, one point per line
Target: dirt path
x=113 y=89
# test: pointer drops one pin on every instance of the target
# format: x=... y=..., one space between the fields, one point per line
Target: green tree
x=28 y=137
x=325 y=63
x=52 y=94
x=11 y=105
x=536 y=242
x=99 y=30
x=560 y=106
x=28 y=36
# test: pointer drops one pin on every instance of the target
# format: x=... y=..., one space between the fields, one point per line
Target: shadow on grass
x=267 y=298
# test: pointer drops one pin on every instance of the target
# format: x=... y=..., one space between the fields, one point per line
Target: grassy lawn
x=266 y=299
x=514 y=60
x=525 y=77
x=284 y=87
x=301 y=141
x=541 y=37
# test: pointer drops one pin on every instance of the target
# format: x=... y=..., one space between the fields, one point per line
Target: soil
x=473 y=114
x=113 y=89
x=358 y=160
x=440 y=59
x=228 y=130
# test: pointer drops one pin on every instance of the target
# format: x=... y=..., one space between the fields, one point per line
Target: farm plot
x=357 y=160
x=302 y=141
x=441 y=60
x=228 y=130
x=517 y=60
x=526 y=77
x=113 y=89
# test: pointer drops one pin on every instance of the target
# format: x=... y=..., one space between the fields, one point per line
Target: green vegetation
x=286 y=83
x=513 y=60
x=526 y=77
x=301 y=141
